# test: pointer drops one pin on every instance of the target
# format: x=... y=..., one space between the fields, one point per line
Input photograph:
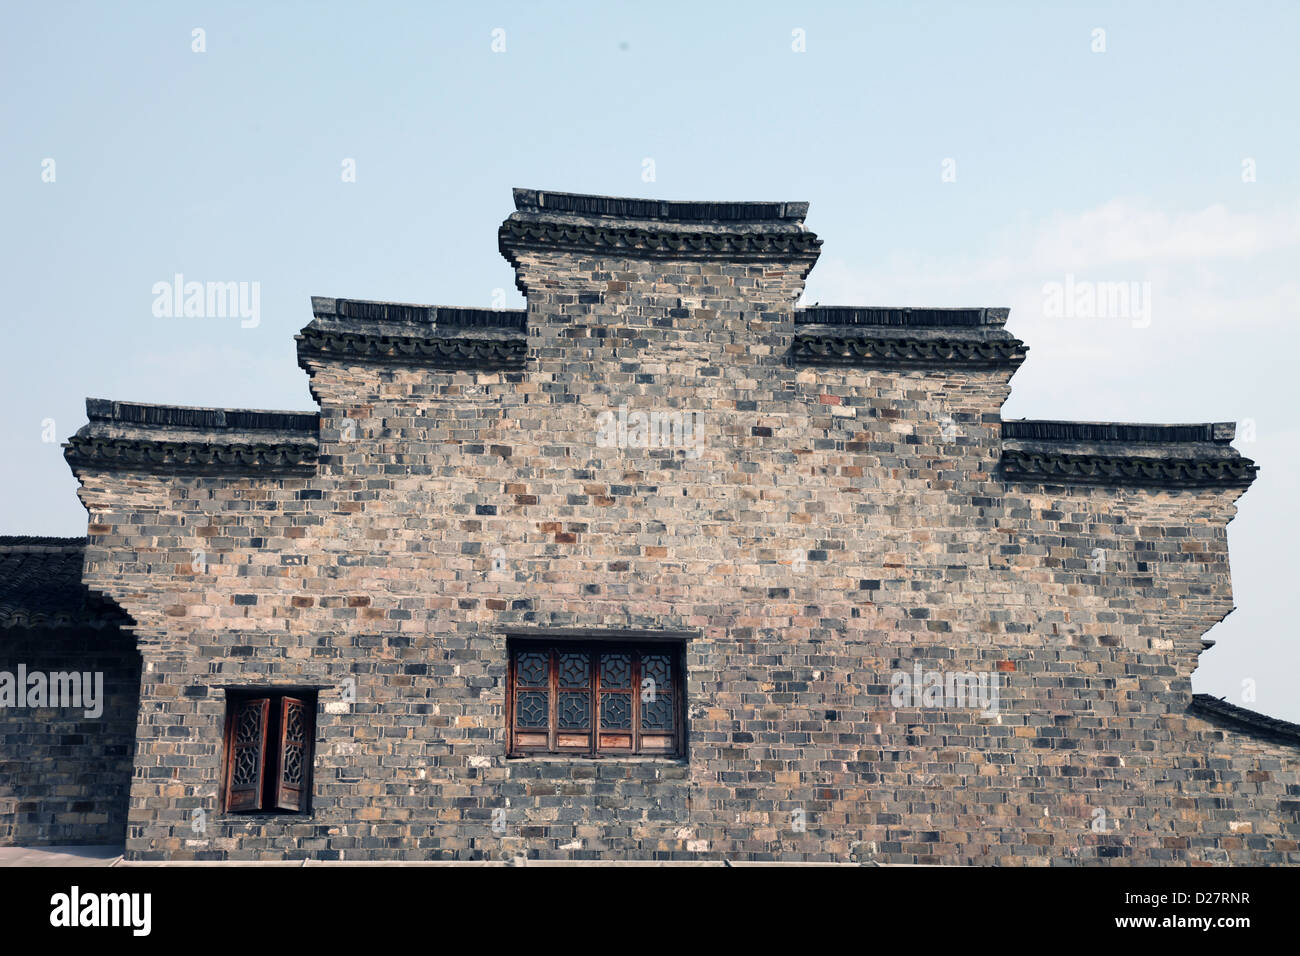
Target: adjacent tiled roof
x=402 y=334
x=1219 y=711
x=40 y=585
x=132 y=436
x=640 y=228
x=904 y=338
x=1123 y=454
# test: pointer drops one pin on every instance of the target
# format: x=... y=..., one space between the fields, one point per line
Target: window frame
x=272 y=789
x=595 y=749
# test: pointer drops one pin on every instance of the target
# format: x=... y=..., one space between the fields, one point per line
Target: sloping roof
x=40 y=585
x=1219 y=711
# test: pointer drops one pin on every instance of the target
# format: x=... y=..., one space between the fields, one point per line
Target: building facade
x=664 y=567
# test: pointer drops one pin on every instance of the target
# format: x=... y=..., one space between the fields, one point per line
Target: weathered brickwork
x=65 y=770
x=851 y=512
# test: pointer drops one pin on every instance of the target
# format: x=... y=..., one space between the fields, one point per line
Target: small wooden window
x=269 y=744
x=595 y=700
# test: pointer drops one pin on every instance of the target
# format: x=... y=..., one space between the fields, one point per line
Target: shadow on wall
x=69 y=699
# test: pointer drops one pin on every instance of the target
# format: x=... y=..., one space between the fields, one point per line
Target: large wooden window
x=269 y=738
x=595 y=700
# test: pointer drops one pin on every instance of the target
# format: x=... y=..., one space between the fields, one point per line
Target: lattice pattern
x=616 y=670
x=588 y=699
x=249 y=730
x=574 y=710
x=248 y=747
x=295 y=744
x=246 y=768
x=658 y=670
x=657 y=714
x=532 y=710
x=615 y=711
x=574 y=670
x=657 y=667
x=532 y=668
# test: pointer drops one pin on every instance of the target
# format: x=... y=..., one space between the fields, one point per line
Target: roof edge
x=180 y=439
x=901 y=316
x=149 y=415
x=422 y=318
x=656 y=210
x=1025 y=429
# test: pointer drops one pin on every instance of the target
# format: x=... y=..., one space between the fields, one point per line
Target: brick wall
x=839 y=526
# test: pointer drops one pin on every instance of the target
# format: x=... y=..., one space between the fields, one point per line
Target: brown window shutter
x=246 y=755
x=294 y=763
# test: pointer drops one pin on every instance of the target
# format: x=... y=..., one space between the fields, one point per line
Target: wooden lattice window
x=268 y=752
x=589 y=699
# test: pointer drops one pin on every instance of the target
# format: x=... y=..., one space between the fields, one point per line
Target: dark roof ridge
x=659 y=210
x=135 y=436
x=1218 y=710
x=193 y=416
x=1024 y=429
x=411 y=313
x=900 y=316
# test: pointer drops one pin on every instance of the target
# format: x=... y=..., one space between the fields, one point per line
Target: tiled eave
x=660 y=210
x=407 y=335
x=906 y=352
x=905 y=317
x=1128 y=470
x=169 y=439
x=880 y=337
x=1120 y=454
x=91 y=453
x=452 y=353
x=653 y=228
x=635 y=242
x=412 y=319
x=148 y=416
x=1230 y=716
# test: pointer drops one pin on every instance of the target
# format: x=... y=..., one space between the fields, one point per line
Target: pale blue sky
x=1124 y=165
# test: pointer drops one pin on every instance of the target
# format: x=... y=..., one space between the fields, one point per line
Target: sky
x=954 y=154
